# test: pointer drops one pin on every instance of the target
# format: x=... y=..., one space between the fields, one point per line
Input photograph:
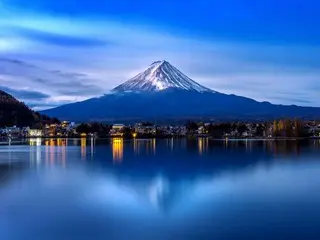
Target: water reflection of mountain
x=162 y=172
x=183 y=157
x=165 y=178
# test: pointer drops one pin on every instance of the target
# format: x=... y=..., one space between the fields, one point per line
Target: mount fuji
x=159 y=76
x=162 y=93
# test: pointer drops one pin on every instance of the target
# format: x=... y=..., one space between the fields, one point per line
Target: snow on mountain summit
x=160 y=75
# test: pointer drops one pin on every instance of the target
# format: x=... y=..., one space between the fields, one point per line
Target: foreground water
x=160 y=189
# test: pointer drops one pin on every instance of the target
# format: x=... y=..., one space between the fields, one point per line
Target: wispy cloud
x=25 y=94
x=52 y=88
x=54 y=38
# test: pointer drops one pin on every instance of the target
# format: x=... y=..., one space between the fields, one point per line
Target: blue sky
x=266 y=50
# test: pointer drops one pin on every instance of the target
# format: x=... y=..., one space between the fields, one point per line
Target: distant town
x=65 y=129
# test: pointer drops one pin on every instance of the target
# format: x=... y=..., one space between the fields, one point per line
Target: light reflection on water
x=203 y=145
x=117 y=150
x=144 y=146
x=169 y=188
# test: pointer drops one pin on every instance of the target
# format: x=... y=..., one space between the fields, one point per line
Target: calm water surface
x=160 y=189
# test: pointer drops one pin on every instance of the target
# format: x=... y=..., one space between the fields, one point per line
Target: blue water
x=160 y=189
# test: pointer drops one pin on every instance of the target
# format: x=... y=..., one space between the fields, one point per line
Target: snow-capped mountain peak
x=159 y=76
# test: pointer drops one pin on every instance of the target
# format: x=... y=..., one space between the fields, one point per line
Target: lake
x=160 y=189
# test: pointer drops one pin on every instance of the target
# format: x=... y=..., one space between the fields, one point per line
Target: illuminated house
x=141 y=129
x=35 y=133
x=11 y=131
x=51 y=130
x=178 y=130
x=117 y=130
x=201 y=130
x=65 y=124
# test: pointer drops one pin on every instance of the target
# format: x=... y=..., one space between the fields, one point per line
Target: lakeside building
x=172 y=130
x=13 y=131
x=117 y=130
x=180 y=130
x=201 y=130
x=65 y=124
x=274 y=129
x=64 y=129
x=314 y=130
x=35 y=133
x=53 y=130
x=141 y=129
x=50 y=130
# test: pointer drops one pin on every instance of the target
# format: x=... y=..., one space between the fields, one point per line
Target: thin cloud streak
x=25 y=94
x=50 y=38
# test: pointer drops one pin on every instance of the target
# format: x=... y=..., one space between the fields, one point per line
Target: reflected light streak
x=63 y=152
x=248 y=145
x=154 y=145
x=83 y=147
x=147 y=145
x=47 y=152
x=136 y=148
x=202 y=145
x=38 y=154
x=171 y=144
x=226 y=142
x=92 y=147
x=117 y=150
x=52 y=156
x=35 y=141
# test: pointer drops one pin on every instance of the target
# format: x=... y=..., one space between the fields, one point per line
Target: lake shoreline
x=18 y=141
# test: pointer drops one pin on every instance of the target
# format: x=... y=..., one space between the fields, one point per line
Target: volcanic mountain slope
x=159 y=76
x=162 y=92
